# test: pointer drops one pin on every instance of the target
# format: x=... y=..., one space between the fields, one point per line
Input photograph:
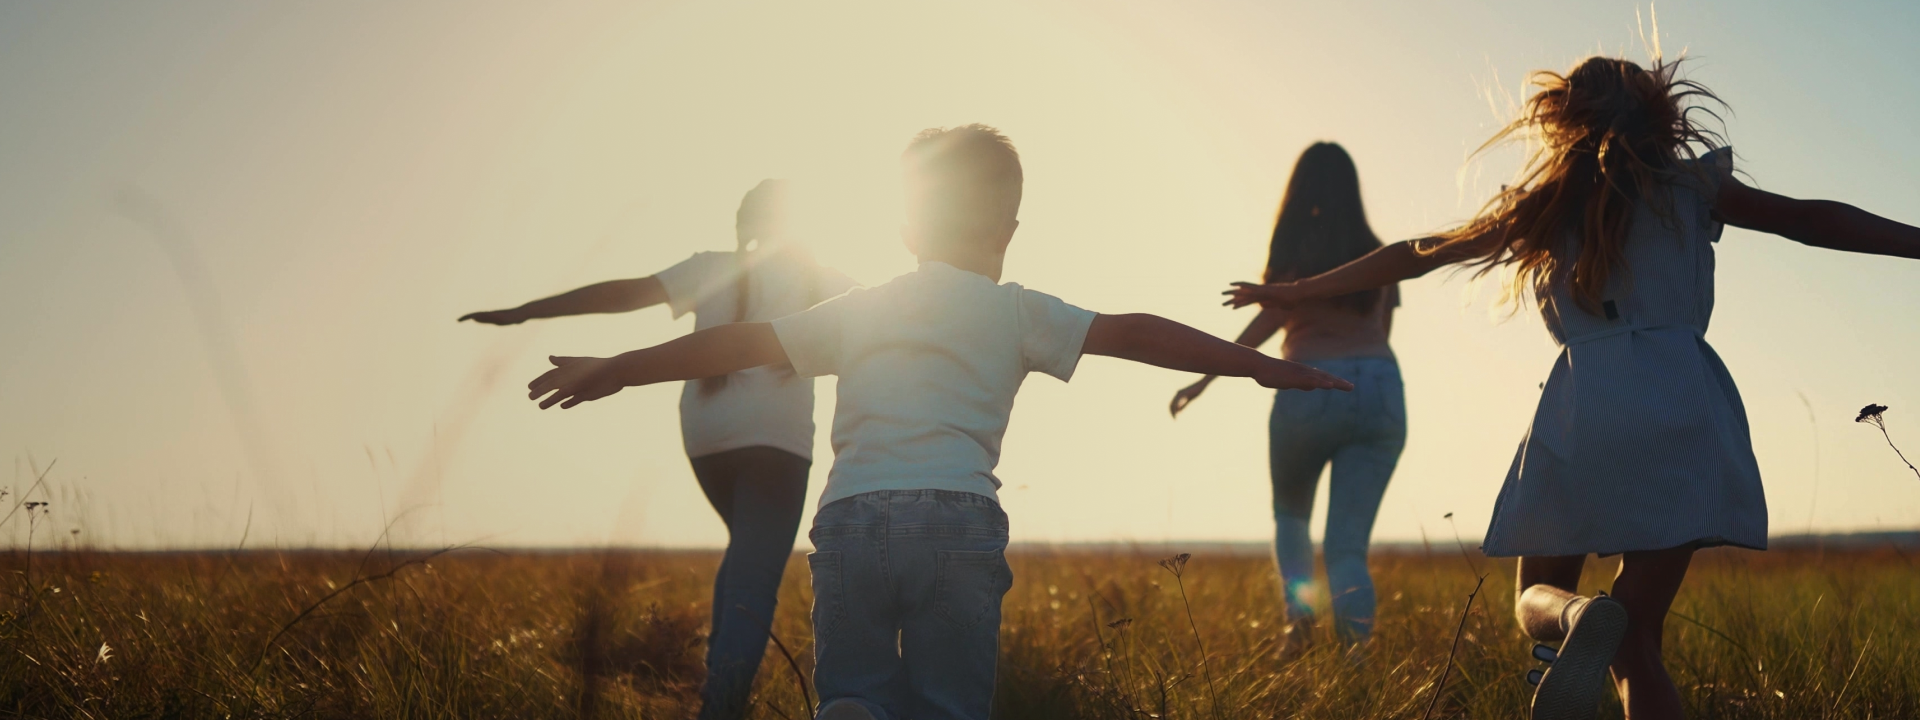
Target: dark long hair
x=1322 y=223
x=1602 y=136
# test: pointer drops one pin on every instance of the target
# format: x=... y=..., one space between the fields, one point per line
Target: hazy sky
x=234 y=238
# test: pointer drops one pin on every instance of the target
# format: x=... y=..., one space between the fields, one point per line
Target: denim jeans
x=906 y=602
x=759 y=493
x=1361 y=433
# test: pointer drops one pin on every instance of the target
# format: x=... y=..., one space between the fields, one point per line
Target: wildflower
x=1177 y=563
x=1872 y=415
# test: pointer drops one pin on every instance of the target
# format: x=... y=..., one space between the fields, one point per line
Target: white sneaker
x=844 y=709
x=1573 y=684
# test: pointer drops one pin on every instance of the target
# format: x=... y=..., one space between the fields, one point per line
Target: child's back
x=929 y=364
x=1640 y=426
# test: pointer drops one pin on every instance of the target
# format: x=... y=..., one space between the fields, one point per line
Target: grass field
x=1094 y=633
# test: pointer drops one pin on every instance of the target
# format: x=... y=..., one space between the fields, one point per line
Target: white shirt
x=928 y=365
x=767 y=406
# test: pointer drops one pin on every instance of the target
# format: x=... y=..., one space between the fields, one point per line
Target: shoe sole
x=1573 y=685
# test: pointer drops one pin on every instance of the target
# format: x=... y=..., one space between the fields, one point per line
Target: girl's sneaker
x=1573 y=684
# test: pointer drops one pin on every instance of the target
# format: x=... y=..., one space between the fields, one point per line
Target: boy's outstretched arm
x=612 y=296
x=1820 y=223
x=1258 y=332
x=1164 y=343
x=713 y=351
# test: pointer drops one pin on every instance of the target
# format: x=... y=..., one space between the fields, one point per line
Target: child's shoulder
x=1703 y=173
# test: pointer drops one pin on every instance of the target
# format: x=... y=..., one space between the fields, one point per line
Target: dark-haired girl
x=1323 y=225
x=749 y=435
x=1640 y=446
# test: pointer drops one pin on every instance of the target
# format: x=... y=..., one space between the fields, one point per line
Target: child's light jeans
x=906 y=602
x=1361 y=434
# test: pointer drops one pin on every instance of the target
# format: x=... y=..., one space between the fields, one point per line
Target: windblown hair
x=1602 y=137
x=961 y=183
x=1322 y=224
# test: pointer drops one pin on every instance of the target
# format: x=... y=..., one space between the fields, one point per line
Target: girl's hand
x=1276 y=294
x=495 y=317
x=1287 y=375
x=1187 y=395
x=575 y=380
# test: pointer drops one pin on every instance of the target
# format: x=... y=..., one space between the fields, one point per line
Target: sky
x=234 y=238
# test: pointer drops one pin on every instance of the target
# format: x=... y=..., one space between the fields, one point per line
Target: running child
x=910 y=567
x=1640 y=445
x=748 y=434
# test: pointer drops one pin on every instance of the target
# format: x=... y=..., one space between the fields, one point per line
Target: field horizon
x=1087 y=633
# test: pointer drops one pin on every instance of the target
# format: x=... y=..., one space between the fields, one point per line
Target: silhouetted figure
x=1322 y=225
x=911 y=567
x=1640 y=446
x=749 y=433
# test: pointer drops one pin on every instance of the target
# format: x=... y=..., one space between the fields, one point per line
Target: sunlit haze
x=234 y=238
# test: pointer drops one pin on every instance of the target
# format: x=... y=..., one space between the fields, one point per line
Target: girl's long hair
x=1322 y=223
x=1602 y=137
x=764 y=207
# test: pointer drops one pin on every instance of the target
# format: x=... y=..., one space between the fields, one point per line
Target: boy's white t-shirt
x=929 y=364
x=768 y=406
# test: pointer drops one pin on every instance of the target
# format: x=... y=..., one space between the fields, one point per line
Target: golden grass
x=1095 y=633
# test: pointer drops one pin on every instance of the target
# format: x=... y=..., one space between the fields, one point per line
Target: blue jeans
x=1361 y=433
x=759 y=493
x=906 y=602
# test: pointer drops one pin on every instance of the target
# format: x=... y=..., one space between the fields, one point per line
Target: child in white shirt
x=910 y=567
x=748 y=434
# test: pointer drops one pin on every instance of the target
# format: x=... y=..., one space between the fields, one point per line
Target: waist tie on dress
x=1624 y=329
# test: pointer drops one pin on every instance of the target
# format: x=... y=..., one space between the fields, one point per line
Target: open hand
x=495 y=317
x=1288 y=375
x=1186 y=396
x=1278 y=294
x=575 y=380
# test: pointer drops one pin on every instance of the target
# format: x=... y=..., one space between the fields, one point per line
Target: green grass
x=480 y=634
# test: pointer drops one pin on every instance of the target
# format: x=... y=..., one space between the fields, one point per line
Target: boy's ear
x=1006 y=238
x=909 y=240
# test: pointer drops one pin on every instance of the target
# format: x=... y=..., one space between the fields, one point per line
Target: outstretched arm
x=1820 y=223
x=713 y=351
x=1258 y=332
x=1382 y=267
x=612 y=296
x=1164 y=343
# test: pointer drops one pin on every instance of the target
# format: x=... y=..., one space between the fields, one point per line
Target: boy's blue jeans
x=1361 y=434
x=906 y=602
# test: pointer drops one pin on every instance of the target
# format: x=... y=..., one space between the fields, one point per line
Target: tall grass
x=1092 y=633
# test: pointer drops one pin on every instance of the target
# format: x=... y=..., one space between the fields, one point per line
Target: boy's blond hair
x=962 y=184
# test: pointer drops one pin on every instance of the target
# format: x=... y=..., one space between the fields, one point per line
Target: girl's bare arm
x=1382 y=267
x=1820 y=223
x=612 y=296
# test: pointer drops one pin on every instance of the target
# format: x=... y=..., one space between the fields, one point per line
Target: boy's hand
x=1275 y=294
x=1287 y=375
x=495 y=317
x=575 y=380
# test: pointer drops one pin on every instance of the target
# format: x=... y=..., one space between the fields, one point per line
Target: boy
x=910 y=567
